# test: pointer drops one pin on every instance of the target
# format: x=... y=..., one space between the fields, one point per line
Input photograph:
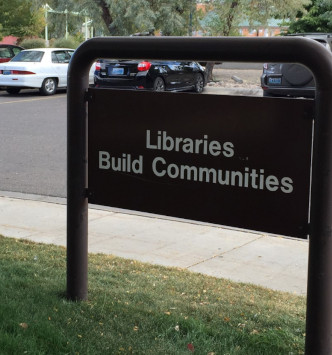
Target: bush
x=33 y=43
x=69 y=42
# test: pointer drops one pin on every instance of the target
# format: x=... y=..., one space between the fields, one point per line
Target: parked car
x=290 y=79
x=150 y=75
x=42 y=68
x=8 y=51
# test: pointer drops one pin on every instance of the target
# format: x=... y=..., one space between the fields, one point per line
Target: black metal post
x=319 y=297
x=77 y=202
x=287 y=50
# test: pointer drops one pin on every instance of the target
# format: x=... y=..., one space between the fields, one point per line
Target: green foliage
x=136 y=308
x=317 y=18
x=172 y=19
x=225 y=15
x=26 y=18
x=19 y=18
x=33 y=43
x=223 y=18
x=126 y=17
x=78 y=37
x=123 y=17
x=69 y=42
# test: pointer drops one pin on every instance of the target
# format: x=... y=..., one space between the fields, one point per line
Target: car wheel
x=158 y=84
x=13 y=91
x=48 y=87
x=199 y=83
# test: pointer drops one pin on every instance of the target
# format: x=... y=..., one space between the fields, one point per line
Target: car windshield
x=28 y=56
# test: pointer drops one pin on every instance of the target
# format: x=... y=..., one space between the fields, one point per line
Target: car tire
x=48 y=87
x=199 y=83
x=13 y=91
x=159 y=84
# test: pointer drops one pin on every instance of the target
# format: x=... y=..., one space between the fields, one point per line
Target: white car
x=42 y=68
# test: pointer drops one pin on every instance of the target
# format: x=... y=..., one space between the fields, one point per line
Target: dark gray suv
x=295 y=80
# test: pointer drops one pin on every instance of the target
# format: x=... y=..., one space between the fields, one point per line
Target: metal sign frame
x=236 y=49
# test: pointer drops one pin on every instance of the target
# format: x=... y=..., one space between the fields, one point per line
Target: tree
x=221 y=20
x=19 y=18
x=317 y=18
x=224 y=16
x=263 y=10
x=65 y=15
x=124 y=17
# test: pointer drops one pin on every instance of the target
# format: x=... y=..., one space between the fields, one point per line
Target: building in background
x=9 y=40
x=273 y=27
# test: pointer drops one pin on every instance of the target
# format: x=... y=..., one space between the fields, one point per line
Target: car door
x=176 y=75
x=190 y=70
x=60 y=61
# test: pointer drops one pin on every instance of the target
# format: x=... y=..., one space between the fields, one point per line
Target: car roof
x=10 y=45
x=50 y=49
x=311 y=34
x=318 y=36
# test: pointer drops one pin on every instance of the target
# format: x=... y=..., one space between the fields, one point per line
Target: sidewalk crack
x=225 y=252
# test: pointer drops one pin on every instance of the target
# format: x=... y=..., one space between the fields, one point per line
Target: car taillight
x=21 y=72
x=144 y=66
x=97 y=66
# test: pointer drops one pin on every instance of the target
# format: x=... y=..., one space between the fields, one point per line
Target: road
x=33 y=143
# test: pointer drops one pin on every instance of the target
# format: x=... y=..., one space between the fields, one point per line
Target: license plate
x=274 y=81
x=6 y=72
x=117 y=71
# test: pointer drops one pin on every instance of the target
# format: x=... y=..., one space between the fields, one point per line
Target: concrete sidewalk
x=270 y=261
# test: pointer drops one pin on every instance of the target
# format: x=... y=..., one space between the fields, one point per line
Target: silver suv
x=295 y=80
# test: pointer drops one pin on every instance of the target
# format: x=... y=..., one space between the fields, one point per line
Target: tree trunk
x=208 y=69
x=230 y=18
x=105 y=11
x=226 y=32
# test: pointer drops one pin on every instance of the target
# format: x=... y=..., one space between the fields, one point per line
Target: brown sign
x=235 y=161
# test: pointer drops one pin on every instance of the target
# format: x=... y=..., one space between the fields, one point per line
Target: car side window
x=54 y=58
x=60 y=57
x=5 y=53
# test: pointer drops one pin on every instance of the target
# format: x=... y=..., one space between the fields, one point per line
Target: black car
x=289 y=79
x=150 y=75
x=8 y=51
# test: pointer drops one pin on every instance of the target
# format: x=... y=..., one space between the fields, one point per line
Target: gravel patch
x=236 y=78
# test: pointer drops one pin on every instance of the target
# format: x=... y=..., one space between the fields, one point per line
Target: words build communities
x=161 y=141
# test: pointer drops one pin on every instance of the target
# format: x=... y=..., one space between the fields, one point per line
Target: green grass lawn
x=137 y=308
